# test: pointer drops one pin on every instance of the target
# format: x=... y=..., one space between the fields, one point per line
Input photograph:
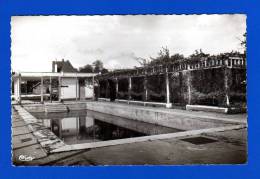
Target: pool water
x=88 y=126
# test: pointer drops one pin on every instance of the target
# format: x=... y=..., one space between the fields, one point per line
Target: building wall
x=68 y=88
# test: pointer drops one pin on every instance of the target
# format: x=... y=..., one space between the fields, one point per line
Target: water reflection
x=86 y=129
x=89 y=126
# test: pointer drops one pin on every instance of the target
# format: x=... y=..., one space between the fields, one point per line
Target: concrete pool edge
x=109 y=108
x=176 y=135
x=88 y=105
x=183 y=120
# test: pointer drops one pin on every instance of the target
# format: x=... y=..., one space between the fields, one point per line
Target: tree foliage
x=86 y=69
x=243 y=42
x=199 y=54
x=96 y=67
x=142 y=61
x=165 y=57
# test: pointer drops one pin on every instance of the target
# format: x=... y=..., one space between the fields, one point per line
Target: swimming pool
x=85 y=126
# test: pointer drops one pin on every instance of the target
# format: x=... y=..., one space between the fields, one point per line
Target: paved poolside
x=229 y=147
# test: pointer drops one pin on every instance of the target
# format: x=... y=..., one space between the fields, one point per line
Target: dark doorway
x=112 y=90
x=82 y=89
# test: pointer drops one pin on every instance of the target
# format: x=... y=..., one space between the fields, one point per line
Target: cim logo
x=25 y=158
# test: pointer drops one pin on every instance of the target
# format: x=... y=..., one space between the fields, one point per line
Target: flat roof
x=52 y=74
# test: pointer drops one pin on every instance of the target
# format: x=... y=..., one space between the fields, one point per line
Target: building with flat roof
x=63 y=83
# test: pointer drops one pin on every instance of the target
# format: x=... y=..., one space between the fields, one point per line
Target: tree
x=163 y=57
x=104 y=70
x=243 y=42
x=198 y=54
x=98 y=66
x=86 y=69
x=176 y=57
x=142 y=61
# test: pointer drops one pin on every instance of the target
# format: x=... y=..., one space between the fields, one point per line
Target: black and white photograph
x=102 y=90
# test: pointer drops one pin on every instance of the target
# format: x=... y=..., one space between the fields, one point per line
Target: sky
x=118 y=40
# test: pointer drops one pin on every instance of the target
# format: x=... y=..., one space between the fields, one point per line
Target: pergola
x=158 y=81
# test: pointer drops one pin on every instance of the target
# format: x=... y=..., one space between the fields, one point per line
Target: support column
x=50 y=89
x=93 y=83
x=77 y=89
x=116 y=88
x=98 y=90
x=41 y=89
x=19 y=89
x=77 y=127
x=129 y=88
x=226 y=76
x=145 y=89
x=189 y=87
x=168 y=104
x=59 y=86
